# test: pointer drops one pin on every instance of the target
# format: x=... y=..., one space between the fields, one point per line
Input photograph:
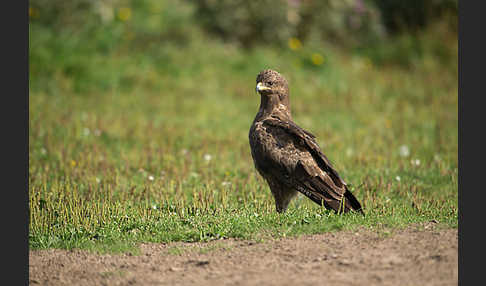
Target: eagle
x=288 y=157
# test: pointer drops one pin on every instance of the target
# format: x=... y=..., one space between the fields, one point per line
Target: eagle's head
x=271 y=82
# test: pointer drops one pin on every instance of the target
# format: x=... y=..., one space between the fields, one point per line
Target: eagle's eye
x=270 y=83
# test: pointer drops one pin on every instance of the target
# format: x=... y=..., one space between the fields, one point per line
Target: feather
x=288 y=157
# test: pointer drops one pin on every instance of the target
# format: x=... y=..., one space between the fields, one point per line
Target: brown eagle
x=288 y=157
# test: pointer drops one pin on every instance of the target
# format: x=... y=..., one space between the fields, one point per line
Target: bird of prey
x=288 y=157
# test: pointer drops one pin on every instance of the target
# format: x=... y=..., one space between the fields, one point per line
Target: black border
x=15 y=100
x=471 y=65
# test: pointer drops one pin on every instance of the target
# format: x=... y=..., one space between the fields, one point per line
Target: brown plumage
x=288 y=157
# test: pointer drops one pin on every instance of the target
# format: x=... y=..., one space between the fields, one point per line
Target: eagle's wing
x=309 y=171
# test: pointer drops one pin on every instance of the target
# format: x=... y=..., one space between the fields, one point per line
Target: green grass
x=152 y=146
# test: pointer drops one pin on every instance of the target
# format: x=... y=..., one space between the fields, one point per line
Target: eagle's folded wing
x=310 y=172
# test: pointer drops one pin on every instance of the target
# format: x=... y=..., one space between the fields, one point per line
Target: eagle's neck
x=274 y=104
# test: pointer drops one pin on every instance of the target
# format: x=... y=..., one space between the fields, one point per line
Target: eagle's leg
x=282 y=195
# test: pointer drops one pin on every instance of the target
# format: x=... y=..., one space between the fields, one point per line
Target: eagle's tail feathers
x=351 y=203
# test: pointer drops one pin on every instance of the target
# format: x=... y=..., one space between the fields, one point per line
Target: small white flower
x=225 y=183
x=154 y=207
x=404 y=151
x=349 y=152
x=151 y=178
x=43 y=151
x=415 y=162
x=398 y=178
x=207 y=157
x=86 y=131
x=98 y=180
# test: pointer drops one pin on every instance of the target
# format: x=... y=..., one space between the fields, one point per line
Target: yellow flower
x=73 y=163
x=33 y=12
x=124 y=14
x=294 y=44
x=317 y=59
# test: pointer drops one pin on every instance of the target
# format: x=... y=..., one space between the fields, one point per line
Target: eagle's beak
x=261 y=87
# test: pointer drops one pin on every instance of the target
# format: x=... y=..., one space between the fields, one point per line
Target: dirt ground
x=417 y=255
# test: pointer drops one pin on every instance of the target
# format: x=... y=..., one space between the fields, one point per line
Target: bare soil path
x=417 y=255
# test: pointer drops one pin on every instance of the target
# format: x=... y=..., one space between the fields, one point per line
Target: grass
x=152 y=146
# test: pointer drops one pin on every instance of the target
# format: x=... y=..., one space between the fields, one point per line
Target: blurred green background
x=145 y=104
x=99 y=46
